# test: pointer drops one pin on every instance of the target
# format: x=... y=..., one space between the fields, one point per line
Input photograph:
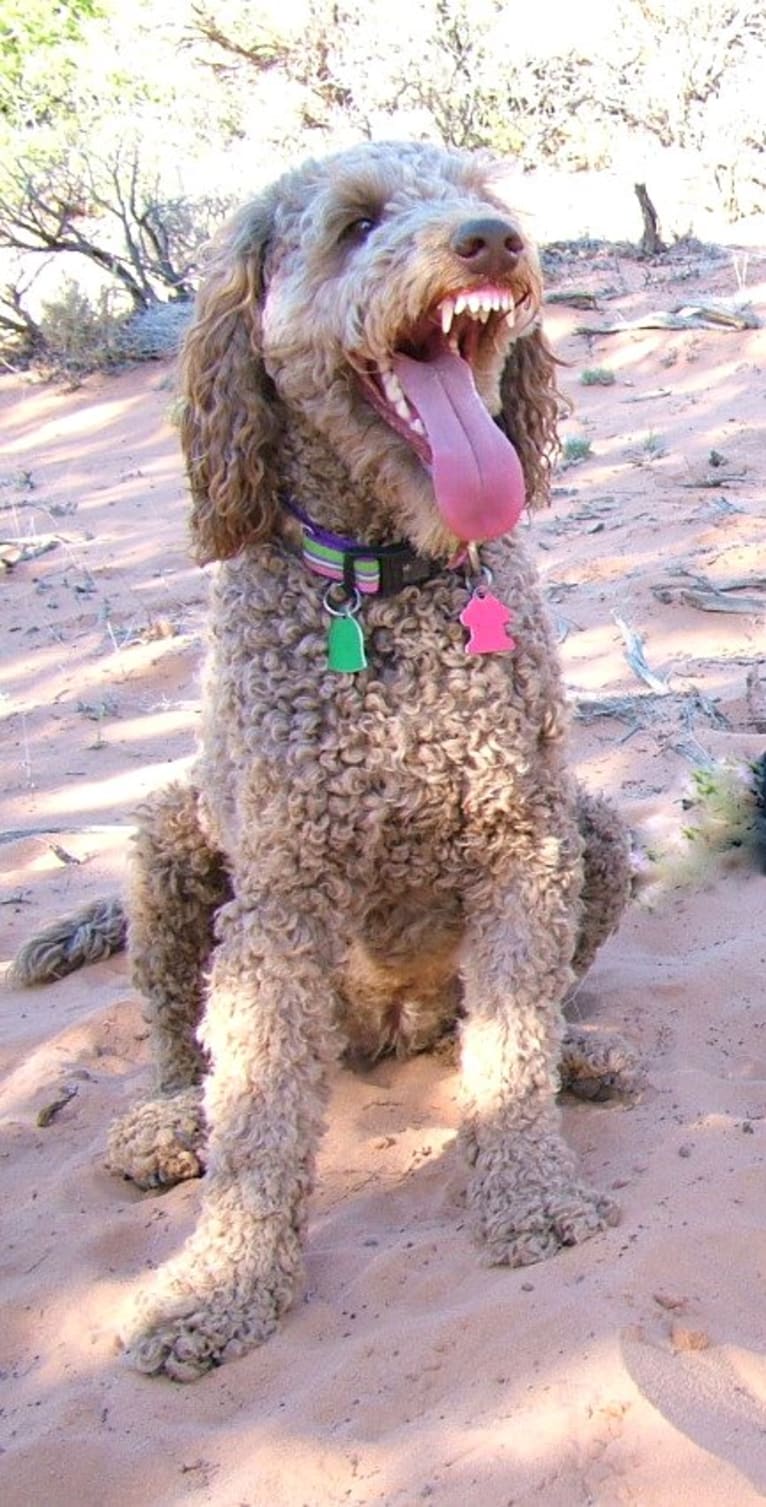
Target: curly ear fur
x=228 y=418
x=531 y=405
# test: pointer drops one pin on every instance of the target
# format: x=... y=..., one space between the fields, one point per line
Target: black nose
x=488 y=246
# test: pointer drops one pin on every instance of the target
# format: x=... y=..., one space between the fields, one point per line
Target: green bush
x=79 y=334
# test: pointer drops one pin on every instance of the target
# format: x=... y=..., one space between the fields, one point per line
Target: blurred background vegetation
x=128 y=132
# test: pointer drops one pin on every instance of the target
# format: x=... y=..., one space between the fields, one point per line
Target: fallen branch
x=714 y=481
x=688 y=317
x=48 y=1113
x=646 y=397
x=711 y=596
x=634 y=653
x=17 y=834
x=575 y=300
x=15 y=552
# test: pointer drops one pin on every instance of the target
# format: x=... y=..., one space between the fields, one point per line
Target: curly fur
x=360 y=859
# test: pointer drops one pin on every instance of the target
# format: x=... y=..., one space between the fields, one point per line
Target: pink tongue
x=477 y=475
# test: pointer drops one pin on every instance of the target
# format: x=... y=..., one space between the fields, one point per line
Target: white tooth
x=448 y=314
x=461 y=303
x=506 y=300
x=392 y=387
x=510 y=317
x=403 y=409
x=474 y=302
x=417 y=426
x=484 y=314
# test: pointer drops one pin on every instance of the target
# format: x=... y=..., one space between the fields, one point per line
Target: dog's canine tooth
x=447 y=314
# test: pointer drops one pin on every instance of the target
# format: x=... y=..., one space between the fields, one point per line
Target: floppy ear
x=228 y=419
x=531 y=405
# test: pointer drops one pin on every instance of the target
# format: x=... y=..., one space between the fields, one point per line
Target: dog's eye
x=358 y=230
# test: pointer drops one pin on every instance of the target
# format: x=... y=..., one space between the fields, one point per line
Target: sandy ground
x=628 y=1371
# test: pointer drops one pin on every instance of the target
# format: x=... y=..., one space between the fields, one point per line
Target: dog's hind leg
x=178 y=883
x=594 y=1064
x=607 y=875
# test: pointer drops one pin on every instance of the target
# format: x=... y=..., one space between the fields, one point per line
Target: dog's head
x=388 y=299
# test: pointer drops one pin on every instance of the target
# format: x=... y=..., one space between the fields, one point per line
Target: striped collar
x=371 y=569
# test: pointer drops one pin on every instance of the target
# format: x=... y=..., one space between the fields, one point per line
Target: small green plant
x=652 y=446
x=574 y=449
x=723 y=810
x=597 y=376
x=723 y=807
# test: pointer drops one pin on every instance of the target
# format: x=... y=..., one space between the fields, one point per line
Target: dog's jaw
x=427 y=390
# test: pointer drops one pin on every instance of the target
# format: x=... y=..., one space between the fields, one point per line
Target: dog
x=380 y=837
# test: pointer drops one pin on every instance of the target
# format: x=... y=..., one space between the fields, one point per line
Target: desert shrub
x=154 y=333
x=80 y=333
x=597 y=376
x=575 y=448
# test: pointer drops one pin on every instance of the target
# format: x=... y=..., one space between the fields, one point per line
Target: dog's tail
x=94 y=932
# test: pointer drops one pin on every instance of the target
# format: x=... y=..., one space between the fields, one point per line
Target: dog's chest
x=425 y=727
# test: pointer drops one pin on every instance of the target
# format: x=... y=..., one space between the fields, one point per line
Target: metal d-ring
x=348 y=607
x=478 y=577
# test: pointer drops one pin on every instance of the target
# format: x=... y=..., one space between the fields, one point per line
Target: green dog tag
x=345 y=646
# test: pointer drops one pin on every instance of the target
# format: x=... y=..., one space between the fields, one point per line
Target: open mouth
x=426 y=392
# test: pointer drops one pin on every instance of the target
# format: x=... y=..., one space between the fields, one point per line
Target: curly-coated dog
x=381 y=835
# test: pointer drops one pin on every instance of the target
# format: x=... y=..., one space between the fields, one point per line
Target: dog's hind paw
x=598 y=1065
x=160 y=1142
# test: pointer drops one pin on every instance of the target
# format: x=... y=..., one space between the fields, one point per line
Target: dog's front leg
x=524 y=1192
x=270 y=1035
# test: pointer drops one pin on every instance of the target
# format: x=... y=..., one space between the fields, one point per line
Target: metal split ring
x=481 y=580
x=349 y=606
x=477 y=575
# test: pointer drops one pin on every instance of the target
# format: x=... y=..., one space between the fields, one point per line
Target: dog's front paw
x=182 y=1337
x=160 y=1142
x=526 y=1211
x=563 y=1220
x=218 y=1298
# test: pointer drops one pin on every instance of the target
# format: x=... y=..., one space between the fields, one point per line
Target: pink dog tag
x=487 y=619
